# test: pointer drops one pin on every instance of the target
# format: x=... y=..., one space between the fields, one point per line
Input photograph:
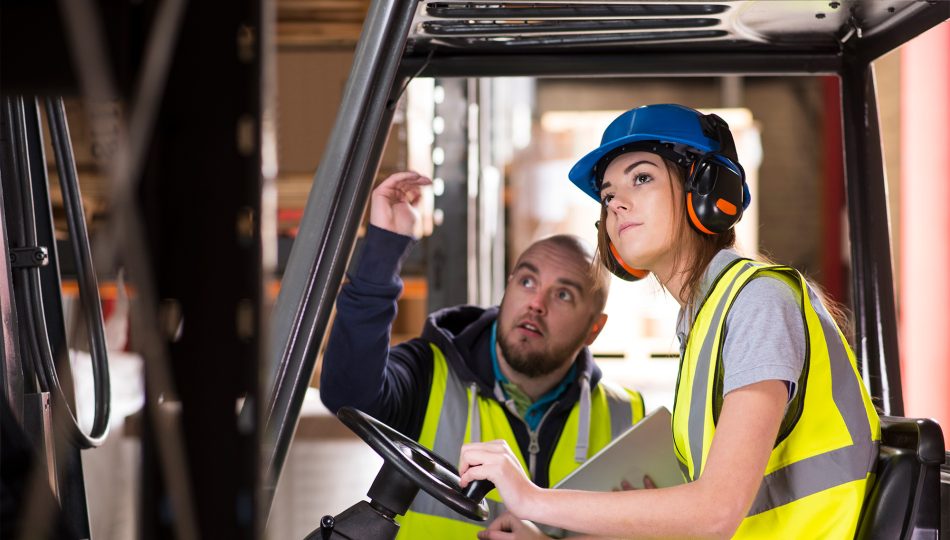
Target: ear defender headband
x=716 y=192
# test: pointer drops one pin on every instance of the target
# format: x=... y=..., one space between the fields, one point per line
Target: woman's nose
x=618 y=203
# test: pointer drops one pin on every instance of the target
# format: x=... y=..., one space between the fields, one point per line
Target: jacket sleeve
x=359 y=368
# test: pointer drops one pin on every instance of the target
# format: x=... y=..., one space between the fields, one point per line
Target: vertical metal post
x=832 y=269
x=14 y=385
x=491 y=191
x=872 y=275
x=202 y=206
x=451 y=270
x=340 y=190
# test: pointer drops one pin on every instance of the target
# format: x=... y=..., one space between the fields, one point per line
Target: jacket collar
x=463 y=333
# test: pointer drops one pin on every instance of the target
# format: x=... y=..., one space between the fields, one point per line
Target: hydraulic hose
x=89 y=298
x=29 y=292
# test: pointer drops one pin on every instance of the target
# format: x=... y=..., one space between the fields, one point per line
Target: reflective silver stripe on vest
x=476 y=423
x=621 y=412
x=812 y=475
x=583 y=422
x=684 y=469
x=837 y=467
x=448 y=443
x=697 y=403
x=845 y=386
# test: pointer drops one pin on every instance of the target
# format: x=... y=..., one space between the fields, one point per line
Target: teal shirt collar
x=536 y=411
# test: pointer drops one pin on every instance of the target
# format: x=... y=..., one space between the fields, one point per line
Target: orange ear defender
x=623 y=270
x=618 y=267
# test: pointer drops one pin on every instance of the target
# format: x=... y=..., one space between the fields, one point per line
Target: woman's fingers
x=481 y=461
x=648 y=482
x=495 y=535
x=509 y=527
x=496 y=462
x=504 y=522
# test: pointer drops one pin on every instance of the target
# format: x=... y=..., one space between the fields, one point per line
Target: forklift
x=191 y=167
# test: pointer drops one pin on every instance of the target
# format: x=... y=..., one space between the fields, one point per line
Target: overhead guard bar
x=541 y=10
x=501 y=29
x=647 y=64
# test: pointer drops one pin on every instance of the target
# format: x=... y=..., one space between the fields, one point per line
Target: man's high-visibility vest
x=818 y=473
x=457 y=414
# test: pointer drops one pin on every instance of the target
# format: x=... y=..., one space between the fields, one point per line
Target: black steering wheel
x=416 y=464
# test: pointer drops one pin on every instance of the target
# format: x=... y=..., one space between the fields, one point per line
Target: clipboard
x=644 y=449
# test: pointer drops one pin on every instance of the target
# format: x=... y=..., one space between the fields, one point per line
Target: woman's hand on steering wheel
x=496 y=462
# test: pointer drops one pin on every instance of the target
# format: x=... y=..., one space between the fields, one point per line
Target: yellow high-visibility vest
x=456 y=415
x=818 y=473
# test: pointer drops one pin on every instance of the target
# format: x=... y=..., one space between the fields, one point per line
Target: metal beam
x=646 y=64
x=322 y=248
x=450 y=249
x=201 y=198
x=872 y=276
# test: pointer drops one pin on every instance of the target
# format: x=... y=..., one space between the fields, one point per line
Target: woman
x=772 y=426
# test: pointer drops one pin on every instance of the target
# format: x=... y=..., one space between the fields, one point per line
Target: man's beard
x=535 y=364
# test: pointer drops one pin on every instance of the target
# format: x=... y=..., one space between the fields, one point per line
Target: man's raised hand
x=394 y=205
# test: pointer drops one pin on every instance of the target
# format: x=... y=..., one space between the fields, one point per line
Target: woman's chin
x=637 y=261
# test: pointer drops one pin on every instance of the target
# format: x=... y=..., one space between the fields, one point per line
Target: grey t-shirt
x=766 y=334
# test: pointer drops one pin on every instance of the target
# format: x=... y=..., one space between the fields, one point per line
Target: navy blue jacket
x=392 y=384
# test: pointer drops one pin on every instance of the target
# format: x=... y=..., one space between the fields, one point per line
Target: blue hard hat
x=677 y=127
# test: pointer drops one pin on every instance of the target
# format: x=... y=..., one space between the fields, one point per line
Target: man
x=520 y=372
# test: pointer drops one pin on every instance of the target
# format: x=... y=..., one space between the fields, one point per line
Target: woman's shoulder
x=765 y=296
x=766 y=287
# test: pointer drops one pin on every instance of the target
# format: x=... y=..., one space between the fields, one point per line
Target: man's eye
x=527 y=282
x=565 y=296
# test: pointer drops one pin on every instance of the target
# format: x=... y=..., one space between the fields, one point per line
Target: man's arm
x=359 y=369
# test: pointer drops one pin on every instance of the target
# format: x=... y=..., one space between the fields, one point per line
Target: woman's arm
x=711 y=507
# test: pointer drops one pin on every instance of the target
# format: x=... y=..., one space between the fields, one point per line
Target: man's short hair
x=598 y=279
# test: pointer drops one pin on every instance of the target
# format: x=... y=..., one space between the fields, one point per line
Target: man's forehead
x=554 y=260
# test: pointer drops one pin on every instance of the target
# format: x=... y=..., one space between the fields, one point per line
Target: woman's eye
x=641 y=179
x=607 y=199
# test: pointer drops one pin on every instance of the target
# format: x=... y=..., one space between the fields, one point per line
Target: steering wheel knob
x=478 y=489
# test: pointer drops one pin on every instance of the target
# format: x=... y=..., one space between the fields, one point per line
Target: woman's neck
x=672 y=274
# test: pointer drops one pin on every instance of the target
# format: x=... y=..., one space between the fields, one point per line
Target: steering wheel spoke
x=409 y=466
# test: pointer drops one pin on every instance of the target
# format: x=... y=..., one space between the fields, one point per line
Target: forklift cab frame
x=403 y=39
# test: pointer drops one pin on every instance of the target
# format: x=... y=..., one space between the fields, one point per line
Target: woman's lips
x=625 y=226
